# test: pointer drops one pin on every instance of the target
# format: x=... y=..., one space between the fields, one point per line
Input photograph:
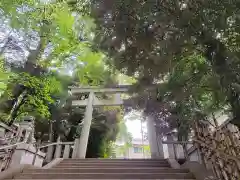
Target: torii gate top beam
x=114 y=101
x=118 y=89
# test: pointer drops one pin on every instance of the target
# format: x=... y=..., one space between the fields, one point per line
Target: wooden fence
x=220 y=149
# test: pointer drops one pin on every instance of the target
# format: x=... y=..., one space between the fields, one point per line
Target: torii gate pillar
x=155 y=143
x=81 y=146
x=83 y=141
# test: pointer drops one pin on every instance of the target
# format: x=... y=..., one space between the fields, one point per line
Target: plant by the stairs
x=124 y=139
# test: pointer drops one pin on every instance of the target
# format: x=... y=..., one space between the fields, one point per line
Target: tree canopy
x=190 y=48
x=45 y=47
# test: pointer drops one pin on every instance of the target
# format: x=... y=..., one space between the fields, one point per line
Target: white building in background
x=137 y=150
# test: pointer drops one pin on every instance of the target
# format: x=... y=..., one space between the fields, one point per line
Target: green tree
x=51 y=38
x=53 y=47
x=4 y=77
x=124 y=137
x=192 y=89
x=149 y=40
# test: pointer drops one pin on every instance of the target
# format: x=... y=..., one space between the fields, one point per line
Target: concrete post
x=160 y=146
x=49 y=154
x=50 y=148
x=171 y=148
x=58 y=148
x=19 y=134
x=28 y=125
x=156 y=147
x=66 y=151
x=86 y=127
x=75 y=148
x=143 y=151
x=2 y=132
x=27 y=136
x=25 y=154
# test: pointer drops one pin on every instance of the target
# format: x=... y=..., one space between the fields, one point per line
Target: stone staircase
x=70 y=169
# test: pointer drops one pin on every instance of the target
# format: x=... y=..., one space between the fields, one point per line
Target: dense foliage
x=44 y=48
x=190 y=48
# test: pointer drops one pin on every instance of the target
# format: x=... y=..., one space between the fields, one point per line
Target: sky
x=133 y=119
x=134 y=127
x=133 y=122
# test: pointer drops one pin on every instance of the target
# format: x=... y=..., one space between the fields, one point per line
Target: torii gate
x=82 y=142
x=80 y=146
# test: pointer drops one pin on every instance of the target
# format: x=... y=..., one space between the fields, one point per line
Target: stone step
x=115 y=169
x=109 y=179
x=110 y=165
x=107 y=170
x=124 y=160
x=106 y=176
x=115 y=161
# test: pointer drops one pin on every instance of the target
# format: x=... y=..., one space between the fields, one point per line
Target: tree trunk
x=18 y=103
x=31 y=68
x=4 y=46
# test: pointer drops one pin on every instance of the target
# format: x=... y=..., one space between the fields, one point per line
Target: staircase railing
x=52 y=150
x=6 y=127
x=182 y=150
x=218 y=148
x=56 y=150
x=10 y=135
x=6 y=153
x=8 y=148
x=10 y=139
